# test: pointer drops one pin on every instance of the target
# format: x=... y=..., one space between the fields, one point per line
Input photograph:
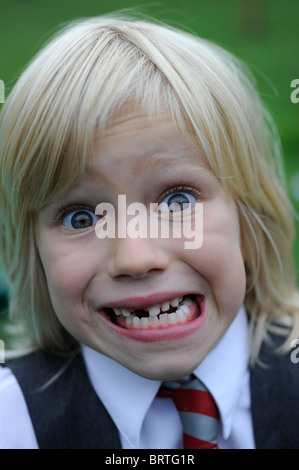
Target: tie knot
x=198 y=412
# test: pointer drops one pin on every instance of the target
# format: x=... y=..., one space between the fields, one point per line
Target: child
x=125 y=107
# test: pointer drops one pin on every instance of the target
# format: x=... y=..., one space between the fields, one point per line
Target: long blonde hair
x=71 y=90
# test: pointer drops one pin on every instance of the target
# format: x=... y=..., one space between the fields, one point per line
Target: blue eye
x=177 y=202
x=80 y=219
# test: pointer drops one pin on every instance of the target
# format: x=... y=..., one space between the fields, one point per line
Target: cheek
x=219 y=261
x=222 y=265
x=67 y=273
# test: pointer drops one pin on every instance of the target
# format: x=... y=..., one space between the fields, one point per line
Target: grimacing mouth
x=175 y=311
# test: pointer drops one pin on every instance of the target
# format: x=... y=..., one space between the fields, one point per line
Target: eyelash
x=181 y=189
x=64 y=210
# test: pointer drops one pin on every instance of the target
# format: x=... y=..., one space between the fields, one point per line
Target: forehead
x=137 y=155
x=134 y=138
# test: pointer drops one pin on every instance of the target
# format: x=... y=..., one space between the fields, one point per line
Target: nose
x=136 y=258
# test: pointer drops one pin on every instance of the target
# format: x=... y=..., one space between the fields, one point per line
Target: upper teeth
x=154 y=310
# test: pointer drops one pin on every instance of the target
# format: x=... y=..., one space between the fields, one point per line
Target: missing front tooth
x=141 y=313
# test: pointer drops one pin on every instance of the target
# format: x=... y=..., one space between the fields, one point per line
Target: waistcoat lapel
x=66 y=414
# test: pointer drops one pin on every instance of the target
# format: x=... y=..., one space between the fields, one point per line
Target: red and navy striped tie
x=198 y=412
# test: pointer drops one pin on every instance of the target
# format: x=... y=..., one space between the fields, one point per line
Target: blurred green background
x=264 y=33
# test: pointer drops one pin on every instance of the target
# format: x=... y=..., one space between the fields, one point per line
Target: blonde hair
x=71 y=90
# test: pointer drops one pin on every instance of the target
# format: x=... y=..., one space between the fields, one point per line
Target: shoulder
x=16 y=430
x=54 y=388
x=38 y=367
x=280 y=370
x=9 y=388
x=274 y=396
x=8 y=383
x=20 y=379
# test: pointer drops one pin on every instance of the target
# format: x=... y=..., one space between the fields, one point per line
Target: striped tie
x=198 y=412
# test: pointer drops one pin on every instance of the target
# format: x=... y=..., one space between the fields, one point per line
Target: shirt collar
x=121 y=390
x=225 y=368
x=223 y=371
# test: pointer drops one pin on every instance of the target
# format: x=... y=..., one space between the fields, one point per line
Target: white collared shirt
x=144 y=421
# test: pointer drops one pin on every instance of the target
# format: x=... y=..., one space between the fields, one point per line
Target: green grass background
x=264 y=33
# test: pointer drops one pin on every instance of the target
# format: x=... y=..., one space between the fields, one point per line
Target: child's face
x=148 y=162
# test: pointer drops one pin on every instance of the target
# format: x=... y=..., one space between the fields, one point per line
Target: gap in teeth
x=163 y=319
x=157 y=311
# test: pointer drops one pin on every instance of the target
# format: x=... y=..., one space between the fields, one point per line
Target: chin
x=166 y=369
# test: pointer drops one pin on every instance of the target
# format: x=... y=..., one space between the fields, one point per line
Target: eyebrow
x=187 y=162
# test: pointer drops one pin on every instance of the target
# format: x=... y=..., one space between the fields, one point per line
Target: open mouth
x=176 y=311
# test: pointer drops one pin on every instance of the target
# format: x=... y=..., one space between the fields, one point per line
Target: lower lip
x=170 y=333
